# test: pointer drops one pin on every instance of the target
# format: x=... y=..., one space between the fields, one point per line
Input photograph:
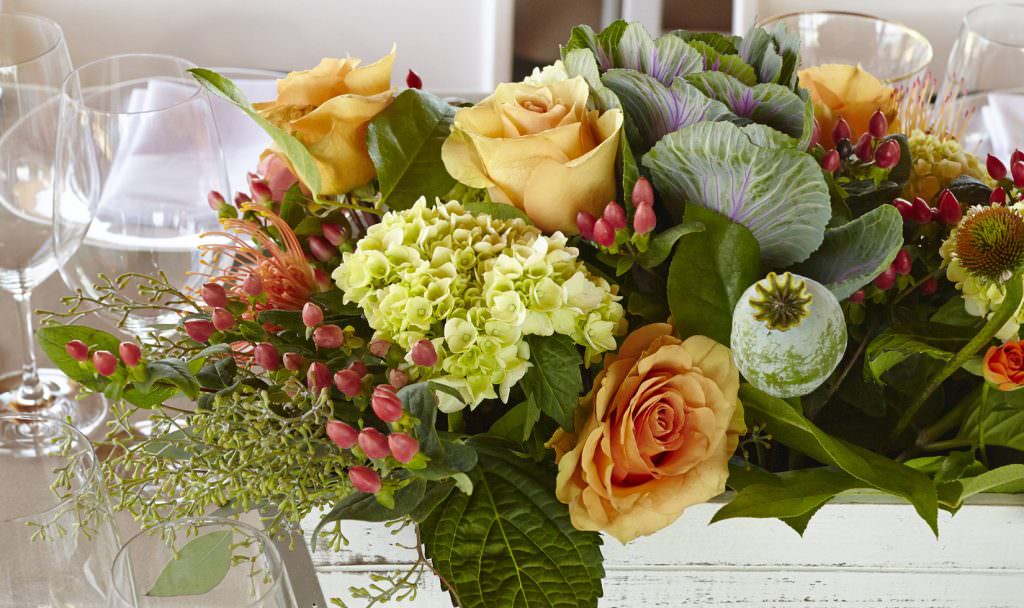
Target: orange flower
x=1003 y=366
x=655 y=434
x=847 y=91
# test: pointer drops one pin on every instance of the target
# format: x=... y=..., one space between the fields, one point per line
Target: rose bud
x=386 y=403
x=841 y=130
x=321 y=249
x=364 y=479
x=1017 y=171
x=423 y=354
x=379 y=348
x=844 y=148
x=403 y=447
x=1002 y=366
x=334 y=233
x=252 y=285
x=398 y=378
x=902 y=264
x=904 y=207
x=105 y=362
x=413 y=80
x=373 y=443
x=359 y=368
x=887 y=154
x=77 y=350
x=830 y=162
x=878 y=126
x=261 y=192
x=615 y=215
x=348 y=382
x=215 y=200
x=585 y=223
x=223 y=320
x=312 y=315
x=241 y=198
x=214 y=295
x=343 y=435
x=997 y=197
x=318 y=377
x=328 y=336
x=644 y=219
x=865 y=148
x=604 y=233
x=266 y=356
x=886 y=280
x=949 y=208
x=643 y=193
x=130 y=353
x=294 y=361
x=996 y=168
x=922 y=211
x=199 y=330
x=857 y=297
x=930 y=286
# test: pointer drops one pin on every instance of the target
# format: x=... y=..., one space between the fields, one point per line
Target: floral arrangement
x=655 y=270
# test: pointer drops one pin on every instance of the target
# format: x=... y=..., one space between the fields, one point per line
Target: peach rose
x=1003 y=366
x=654 y=436
x=329 y=109
x=538 y=147
x=847 y=91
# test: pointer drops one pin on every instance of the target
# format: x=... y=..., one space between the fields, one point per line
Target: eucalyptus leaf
x=197 y=568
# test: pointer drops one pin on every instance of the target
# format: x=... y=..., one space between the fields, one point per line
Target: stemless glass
x=892 y=52
x=139 y=152
x=254 y=578
x=57 y=534
x=33 y=63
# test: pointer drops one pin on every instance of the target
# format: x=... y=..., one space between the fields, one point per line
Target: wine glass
x=892 y=52
x=33 y=63
x=138 y=153
x=203 y=548
x=57 y=532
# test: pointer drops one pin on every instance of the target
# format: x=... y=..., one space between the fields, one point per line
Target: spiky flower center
x=781 y=302
x=990 y=243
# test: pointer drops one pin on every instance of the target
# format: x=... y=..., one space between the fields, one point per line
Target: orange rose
x=847 y=91
x=1003 y=366
x=655 y=434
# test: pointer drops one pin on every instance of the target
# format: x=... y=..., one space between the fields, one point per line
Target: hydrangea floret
x=475 y=286
x=937 y=162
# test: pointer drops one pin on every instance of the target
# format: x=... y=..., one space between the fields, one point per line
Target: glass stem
x=31 y=393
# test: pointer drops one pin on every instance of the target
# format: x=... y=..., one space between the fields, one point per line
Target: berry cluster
x=870 y=151
x=1010 y=183
x=611 y=231
x=103 y=361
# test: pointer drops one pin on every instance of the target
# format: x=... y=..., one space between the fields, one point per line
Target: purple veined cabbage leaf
x=770 y=104
x=630 y=46
x=732 y=65
x=773 y=53
x=725 y=44
x=853 y=254
x=581 y=62
x=779 y=194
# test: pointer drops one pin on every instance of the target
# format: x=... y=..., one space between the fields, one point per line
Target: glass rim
x=79 y=103
x=40 y=19
x=269 y=549
x=916 y=35
x=92 y=475
x=975 y=32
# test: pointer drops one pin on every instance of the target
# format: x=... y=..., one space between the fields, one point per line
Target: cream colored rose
x=654 y=436
x=329 y=109
x=538 y=147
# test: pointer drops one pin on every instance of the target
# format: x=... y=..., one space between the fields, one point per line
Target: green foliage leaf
x=709 y=272
x=404 y=142
x=171 y=371
x=661 y=245
x=447 y=455
x=197 y=568
x=794 y=430
x=778 y=194
x=553 y=383
x=517 y=423
x=853 y=254
x=511 y=543
x=498 y=211
x=801 y=493
x=891 y=349
x=867 y=194
x=359 y=506
x=1008 y=478
x=1003 y=420
x=969 y=190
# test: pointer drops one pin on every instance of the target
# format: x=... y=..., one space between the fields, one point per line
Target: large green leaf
x=196 y=568
x=1008 y=478
x=791 y=428
x=891 y=349
x=360 y=506
x=405 y=144
x=767 y=103
x=553 y=382
x=778 y=194
x=853 y=254
x=1003 y=420
x=448 y=456
x=511 y=543
x=710 y=270
x=801 y=493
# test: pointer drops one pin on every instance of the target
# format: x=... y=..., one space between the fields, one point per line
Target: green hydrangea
x=936 y=162
x=475 y=286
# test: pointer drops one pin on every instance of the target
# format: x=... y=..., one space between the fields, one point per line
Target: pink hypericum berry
x=321 y=249
x=865 y=148
x=130 y=353
x=199 y=330
x=996 y=168
x=77 y=349
x=1018 y=155
x=585 y=223
x=886 y=280
x=328 y=336
x=841 y=130
x=359 y=368
x=241 y=198
x=950 y=211
x=364 y=479
x=887 y=154
x=252 y=285
x=878 y=126
x=398 y=378
x=105 y=362
x=930 y=286
x=222 y=318
x=215 y=200
x=604 y=233
x=857 y=297
x=615 y=215
x=318 y=377
x=997 y=197
x=294 y=361
x=266 y=356
x=644 y=219
x=386 y=403
x=214 y=295
x=1017 y=172
x=373 y=443
x=830 y=162
x=403 y=447
x=334 y=233
x=905 y=208
x=312 y=315
x=322 y=279
x=922 y=211
x=343 y=435
x=643 y=193
x=413 y=80
x=379 y=348
x=261 y=192
x=902 y=264
x=423 y=353
x=348 y=382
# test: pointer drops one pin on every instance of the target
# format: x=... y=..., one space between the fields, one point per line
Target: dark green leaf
x=436 y=494
x=447 y=455
x=197 y=567
x=174 y=372
x=800 y=493
x=53 y=339
x=333 y=303
x=517 y=423
x=1003 y=422
x=953 y=312
x=661 y=245
x=970 y=191
x=889 y=350
x=553 y=382
x=359 y=506
x=288 y=319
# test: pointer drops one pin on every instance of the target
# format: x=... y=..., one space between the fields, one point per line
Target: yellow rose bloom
x=329 y=108
x=654 y=436
x=847 y=91
x=537 y=147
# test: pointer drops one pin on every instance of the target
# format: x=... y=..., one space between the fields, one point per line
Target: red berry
x=930 y=286
x=334 y=233
x=413 y=80
x=644 y=219
x=403 y=447
x=996 y=168
x=348 y=382
x=905 y=208
x=266 y=356
x=359 y=368
x=585 y=223
x=950 y=211
x=830 y=162
x=130 y=353
x=328 y=336
x=423 y=354
x=77 y=349
x=199 y=330
x=865 y=148
x=321 y=249
x=223 y=320
x=398 y=378
x=312 y=315
x=886 y=280
x=922 y=211
x=373 y=443
x=643 y=193
x=386 y=403
x=1017 y=171
x=615 y=215
x=997 y=197
x=261 y=192
x=252 y=285
x=364 y=479
x=241 y=198
x=343 y=435
x=105 y=362
x=215 y=200
x=902 y=264
x=379 y=348
x=888 y=154
x=318 y=377
x=214 y=295
x=293 y=361
x=857 y=297
x=1018 y=155
x=322 y=279
x=878 y=126
x=841 y=130
x=604 y=233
